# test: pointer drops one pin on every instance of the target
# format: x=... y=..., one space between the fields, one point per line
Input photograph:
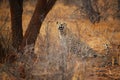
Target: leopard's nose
x=61 y=28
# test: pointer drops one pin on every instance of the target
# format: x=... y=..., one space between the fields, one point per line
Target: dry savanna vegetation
x=70 y=40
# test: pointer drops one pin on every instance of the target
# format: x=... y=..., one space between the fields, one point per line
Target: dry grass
x=56 y=59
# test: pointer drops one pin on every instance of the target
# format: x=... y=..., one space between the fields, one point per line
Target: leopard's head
x=61 y=26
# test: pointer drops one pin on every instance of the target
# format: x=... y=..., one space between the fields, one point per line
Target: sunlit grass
x=47 y=60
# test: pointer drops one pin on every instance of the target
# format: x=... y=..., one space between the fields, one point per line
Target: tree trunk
x=118 y=5
x=16 y=8
x=41 y=10
x=2 y=53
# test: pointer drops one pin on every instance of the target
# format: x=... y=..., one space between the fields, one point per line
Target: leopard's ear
x=58 y=24
x=64 y=24
x=61 y=24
